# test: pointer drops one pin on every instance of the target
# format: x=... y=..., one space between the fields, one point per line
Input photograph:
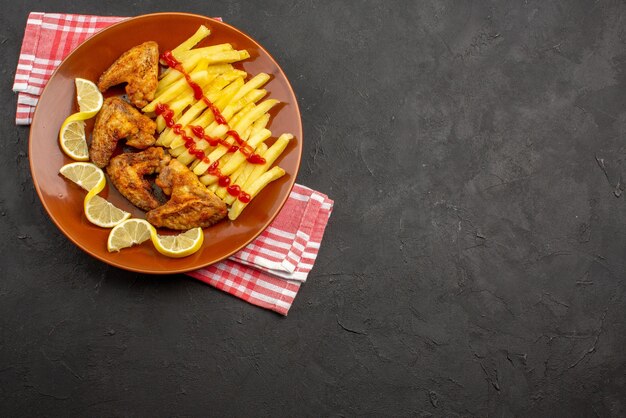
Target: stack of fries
x=240 y=105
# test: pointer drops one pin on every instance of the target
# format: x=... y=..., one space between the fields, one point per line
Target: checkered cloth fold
x=269 y=271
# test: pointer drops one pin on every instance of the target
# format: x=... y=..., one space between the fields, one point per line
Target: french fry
x=229 y=111
x=227 y=57
x=270 y=156
x=258 y=111
x=168 y=137
x=227 y=94
x=239 y=126
x=170 y=76
x=255 y=82
x=186 y=158
x=219 y=87
x=177 y=107
x=204 y=51
x=222 y=192
x=260 y=123
x=250 y=98
x=238 y=157
x=195 y=55
x=200 y=144
x=194 y=111
x=254 y=189
x=176 y=89
x=240 y=123
x=189 y=43
x=213 y=129
x=199 y=62
x=243 y=176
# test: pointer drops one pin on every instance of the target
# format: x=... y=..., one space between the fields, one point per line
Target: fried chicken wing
x=191 y=203
x=139 y=67
x=116 y=120
x=127 y=172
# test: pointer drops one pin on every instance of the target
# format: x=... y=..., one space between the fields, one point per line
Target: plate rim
x=292 y=179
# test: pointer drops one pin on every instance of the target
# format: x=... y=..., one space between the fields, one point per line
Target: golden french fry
x=227 y=57
x=270 y=156
x=221 y=156
x=185 y=157
x=189 y=43
x=245 y=173
x=254 y=83
x=170 y=76
x=211 y=131
x=204 y=51
x=238 y=157
x=206 y=118
x=169 y=138
x=215 y=155
x=240 y=126
x=212 y=92
x=226 y=95
x=177 y=107
x=222 y=192
x=176 y=89
x=255 y=113
x=254 y=189
x=260 y=123
x=195 y=55
x=236 y=105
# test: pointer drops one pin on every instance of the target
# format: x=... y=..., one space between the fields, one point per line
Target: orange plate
x=64 y=200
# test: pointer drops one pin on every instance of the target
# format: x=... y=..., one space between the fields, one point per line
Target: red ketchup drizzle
x=241 y=145
x=172 y=62
x=167 y=114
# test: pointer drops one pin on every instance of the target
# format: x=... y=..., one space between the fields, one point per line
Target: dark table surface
x=473 y=266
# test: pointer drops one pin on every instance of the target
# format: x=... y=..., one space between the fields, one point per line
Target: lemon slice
x=88 y=97
x=86 y=175
x=129 y=233
x=103 y=213
x=73 y=142
x=181 y=245
x=72 y=132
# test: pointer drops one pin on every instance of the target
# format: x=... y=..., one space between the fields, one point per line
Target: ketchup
x=172 y=62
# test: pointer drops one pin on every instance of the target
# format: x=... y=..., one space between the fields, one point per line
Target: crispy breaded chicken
x=191 y=203
x=127 y=172
x=117 y=120
x=139 y=67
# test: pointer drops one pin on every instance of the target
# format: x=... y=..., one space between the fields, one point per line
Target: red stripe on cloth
x=251 y=285
x=29 y=48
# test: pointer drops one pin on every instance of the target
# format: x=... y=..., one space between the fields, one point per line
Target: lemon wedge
x=181 y=245
x=98 y=210
x=86 y=175
x=72 y=132
x=73 y=142
x=89 y=98
x=128 y=233
x=103 y=213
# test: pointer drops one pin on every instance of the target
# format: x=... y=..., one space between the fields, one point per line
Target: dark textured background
x=473 y=266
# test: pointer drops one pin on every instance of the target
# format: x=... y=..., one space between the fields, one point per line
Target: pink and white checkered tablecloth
x=269 y=271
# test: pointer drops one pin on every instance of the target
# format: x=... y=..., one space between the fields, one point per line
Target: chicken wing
x=116 y=120
x=191 y=203
x=127 y=172
x=139 y=67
